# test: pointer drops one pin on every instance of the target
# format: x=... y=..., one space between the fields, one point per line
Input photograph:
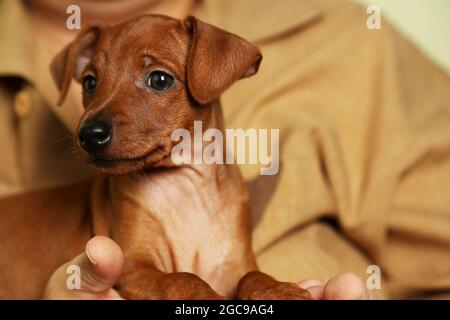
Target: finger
x=346 y=286
x=316 y=292
x=305 y=284
x=99 y=267
x=101 y=264
x=315 y=288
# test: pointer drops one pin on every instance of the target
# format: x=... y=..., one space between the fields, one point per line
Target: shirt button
x=23 y=103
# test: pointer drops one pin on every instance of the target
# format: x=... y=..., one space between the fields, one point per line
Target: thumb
x=90 y=275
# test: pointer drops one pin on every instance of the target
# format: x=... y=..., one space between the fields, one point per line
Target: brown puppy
x=185 y=229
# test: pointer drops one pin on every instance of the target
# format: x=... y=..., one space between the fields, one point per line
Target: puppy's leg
x=256 y=285
x=151 y=284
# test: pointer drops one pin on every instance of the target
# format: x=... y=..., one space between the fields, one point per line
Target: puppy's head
x=143 y=79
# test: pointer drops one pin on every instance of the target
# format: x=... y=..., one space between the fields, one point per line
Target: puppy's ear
x=216 y=60
x=72 y=60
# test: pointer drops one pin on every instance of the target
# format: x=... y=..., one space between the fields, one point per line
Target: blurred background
x=365 y=131
x=425 y=23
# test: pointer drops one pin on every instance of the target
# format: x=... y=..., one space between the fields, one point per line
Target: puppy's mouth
x=124 y=165
x=105 y=162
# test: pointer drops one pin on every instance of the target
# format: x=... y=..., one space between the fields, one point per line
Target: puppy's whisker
x=55 y=142
x=67 y=134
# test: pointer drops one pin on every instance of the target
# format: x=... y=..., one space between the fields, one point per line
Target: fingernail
x=90 y=252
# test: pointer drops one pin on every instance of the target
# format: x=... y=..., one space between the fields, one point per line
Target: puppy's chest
x=185 y=222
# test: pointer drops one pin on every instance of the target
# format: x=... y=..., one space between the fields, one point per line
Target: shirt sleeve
x=364 y=122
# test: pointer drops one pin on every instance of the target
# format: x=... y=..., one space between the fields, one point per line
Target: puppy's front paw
x=256 y=285
x=280 y=291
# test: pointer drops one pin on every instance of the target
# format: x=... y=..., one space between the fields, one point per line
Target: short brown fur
x=185 y=230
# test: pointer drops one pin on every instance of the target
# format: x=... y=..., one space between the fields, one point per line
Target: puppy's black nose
x=94 y=136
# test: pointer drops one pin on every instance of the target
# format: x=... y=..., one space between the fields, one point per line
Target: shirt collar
x=16 y=39
x=260 y=20
x=27 y=55
x=255 y=20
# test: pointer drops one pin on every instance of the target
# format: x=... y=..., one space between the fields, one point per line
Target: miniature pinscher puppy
x=185 y=230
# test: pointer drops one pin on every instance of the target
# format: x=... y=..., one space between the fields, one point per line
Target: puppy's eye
x=160 y=81
x=89 y=84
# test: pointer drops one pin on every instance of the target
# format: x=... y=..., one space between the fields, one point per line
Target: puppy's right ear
x=72 y=60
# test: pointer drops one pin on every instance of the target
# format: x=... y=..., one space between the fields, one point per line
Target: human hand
x=346 y=286
x=100 y=266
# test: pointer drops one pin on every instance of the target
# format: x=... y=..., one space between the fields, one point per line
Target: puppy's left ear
x=70 y=62
x=216 y=60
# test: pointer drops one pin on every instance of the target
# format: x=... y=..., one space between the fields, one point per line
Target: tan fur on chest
x=184 y=220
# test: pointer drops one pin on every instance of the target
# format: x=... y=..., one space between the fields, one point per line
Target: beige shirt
x=364 y=123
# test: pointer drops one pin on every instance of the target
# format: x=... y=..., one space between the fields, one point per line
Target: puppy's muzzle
x=94 y=136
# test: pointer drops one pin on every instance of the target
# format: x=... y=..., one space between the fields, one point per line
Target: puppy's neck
x=142 y=184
